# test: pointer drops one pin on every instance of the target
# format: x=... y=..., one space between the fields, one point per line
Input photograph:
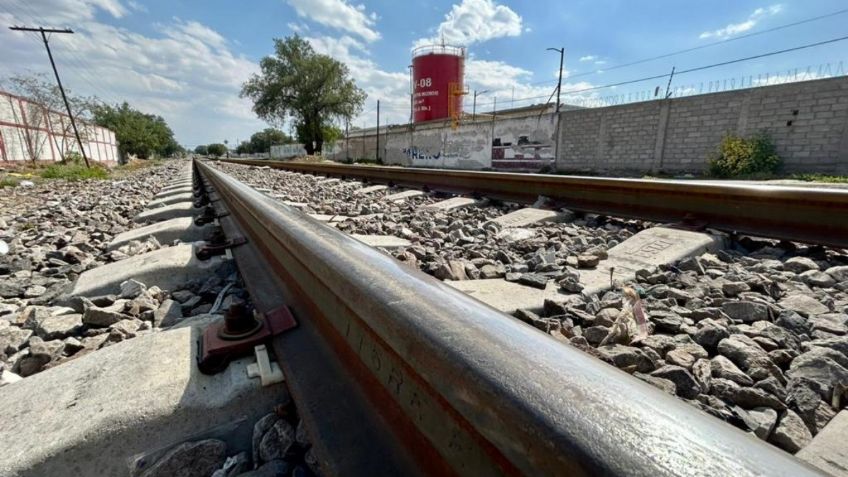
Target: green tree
x=244 y=148
x=216 y=149
x=140 y=134
x=263 y=140
x=202 y=150
x=313 y=89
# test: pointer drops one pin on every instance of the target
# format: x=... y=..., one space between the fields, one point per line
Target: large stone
x=839 y=273
x=687 y=386
x=830 y=322
x=710 y=333
x=277 y=441
x=746 y=311
x=803 y=304
x=168 y=314
x=815 y=278
x=627 y=358
x=760 y=420
x=261 y=427
x=821 y=367
x=451 y=270
x=722 y=367
x=12 y=339
x=57 y=327
x=744 y=352
x=800 y=265
x=791 y=434
x=102 y=317
x=190 y=459
x=793 y=322
x=92 y=413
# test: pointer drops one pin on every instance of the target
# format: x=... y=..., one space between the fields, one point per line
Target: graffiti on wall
x=414 y=153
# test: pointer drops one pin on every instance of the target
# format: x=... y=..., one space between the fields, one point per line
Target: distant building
x=29 y=131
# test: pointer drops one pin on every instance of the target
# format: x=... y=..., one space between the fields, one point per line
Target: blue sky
x=185 y=60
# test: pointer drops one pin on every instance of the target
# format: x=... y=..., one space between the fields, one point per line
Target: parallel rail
x=396 y=373
x=801 y=214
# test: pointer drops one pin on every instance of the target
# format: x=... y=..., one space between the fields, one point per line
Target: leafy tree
x=243 y=148
x=216 y=149
x=312 y=88
x=202 y=150
x=263 y=140
x=332 y=133
x=144 y=135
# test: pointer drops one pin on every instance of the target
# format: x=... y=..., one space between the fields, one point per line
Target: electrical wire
x=708 y=45
x=698 y=68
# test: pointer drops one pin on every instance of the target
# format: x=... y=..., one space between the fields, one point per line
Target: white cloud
x=340 y=15
x=741 y=27
x=185 y=72
x=391 y=88
x=298 y=27
x=511 y=85
x=137 y=6
x=475 y=21
x=588 y=58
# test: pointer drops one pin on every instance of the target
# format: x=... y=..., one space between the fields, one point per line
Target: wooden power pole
x=44 y=31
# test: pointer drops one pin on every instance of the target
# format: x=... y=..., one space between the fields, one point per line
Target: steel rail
x=792 y=213
x=465 y=389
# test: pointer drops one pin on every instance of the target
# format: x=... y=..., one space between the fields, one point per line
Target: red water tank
x=437 y=73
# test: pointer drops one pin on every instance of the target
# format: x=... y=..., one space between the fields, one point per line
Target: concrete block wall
x=808 y=122
x=523 y=141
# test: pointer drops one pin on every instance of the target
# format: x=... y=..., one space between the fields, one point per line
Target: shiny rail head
x=489 y=392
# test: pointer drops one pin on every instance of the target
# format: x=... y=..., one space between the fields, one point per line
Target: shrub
x=738 y=156
x=72 y=157
x=74 y=172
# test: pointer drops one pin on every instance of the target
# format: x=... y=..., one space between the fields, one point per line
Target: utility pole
x=378 y=131
x=347 y=139
x=559 y=83
x=474 y=104
x=556 y=115
x=61 y=89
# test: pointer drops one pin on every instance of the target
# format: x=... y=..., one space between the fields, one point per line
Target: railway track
x=818 y=216
x=395 y=372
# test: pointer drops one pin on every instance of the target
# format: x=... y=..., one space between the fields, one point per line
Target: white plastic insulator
x=269 y=373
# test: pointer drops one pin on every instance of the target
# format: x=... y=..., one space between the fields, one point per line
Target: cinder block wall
x=808 y=122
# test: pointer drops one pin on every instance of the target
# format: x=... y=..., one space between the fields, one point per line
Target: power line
x=715 y=65
x=698 y=68
x=708 y=45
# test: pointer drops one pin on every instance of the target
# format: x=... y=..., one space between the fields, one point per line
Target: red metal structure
x=437 y=73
